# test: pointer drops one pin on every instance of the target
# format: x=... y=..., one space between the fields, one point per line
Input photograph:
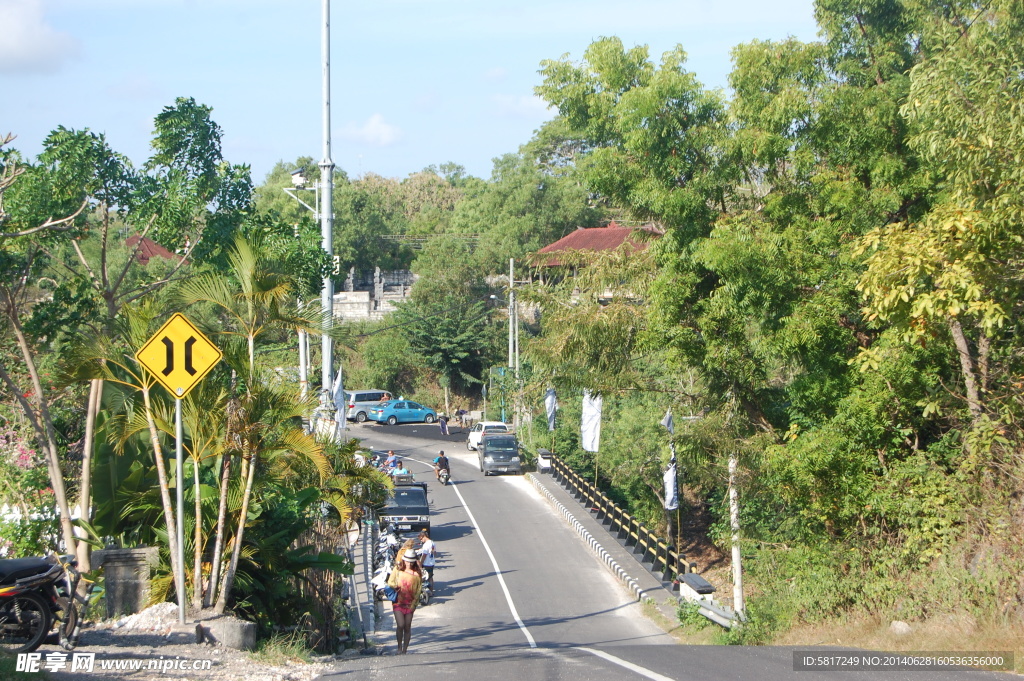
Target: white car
x=481 y=427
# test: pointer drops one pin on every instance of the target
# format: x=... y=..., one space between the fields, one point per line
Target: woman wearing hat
x=405 y=579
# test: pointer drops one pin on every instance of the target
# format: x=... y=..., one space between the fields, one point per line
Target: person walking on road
x=406 y=580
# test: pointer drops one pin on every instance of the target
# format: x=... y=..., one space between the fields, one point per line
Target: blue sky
x=414 y=83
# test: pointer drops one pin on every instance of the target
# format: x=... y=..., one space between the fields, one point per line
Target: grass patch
x=9 y=662
x=280 y=649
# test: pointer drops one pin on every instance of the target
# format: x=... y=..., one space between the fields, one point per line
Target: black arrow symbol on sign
x=170 y=356
x=169 y=345
x=188 y=355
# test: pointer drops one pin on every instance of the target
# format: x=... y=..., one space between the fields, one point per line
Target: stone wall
x=370 y=296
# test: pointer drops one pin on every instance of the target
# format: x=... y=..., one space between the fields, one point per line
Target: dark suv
x=407 y=507
x=499 y=453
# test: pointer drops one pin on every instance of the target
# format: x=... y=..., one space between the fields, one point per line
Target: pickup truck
x=407 y=508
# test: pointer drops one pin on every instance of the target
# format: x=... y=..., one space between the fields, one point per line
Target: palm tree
x=263 y=419
x=203 y=418
x=253 y=296
x=264 y=429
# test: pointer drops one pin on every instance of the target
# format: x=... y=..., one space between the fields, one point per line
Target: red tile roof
x=591 y=239
x=149 y=249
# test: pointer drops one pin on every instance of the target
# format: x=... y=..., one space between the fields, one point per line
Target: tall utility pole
x=511 y=315
x=734 y=522
x=327 y=210
x=513 y=340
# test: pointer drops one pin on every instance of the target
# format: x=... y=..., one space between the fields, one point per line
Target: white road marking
x=494 y=563
x=642 y=671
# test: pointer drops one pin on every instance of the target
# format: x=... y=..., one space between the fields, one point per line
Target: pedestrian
x=427 y=554
x=406 y=580
x=442 y=421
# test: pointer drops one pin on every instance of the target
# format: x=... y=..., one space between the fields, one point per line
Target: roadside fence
x=665 y=561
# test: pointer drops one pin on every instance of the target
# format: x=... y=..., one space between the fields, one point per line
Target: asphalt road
x=520 y=596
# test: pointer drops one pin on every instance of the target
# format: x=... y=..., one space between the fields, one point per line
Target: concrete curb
x=613 y=565
x=378 y=628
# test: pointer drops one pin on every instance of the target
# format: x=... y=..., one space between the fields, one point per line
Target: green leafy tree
x=951 y=273
x=197 y=197
x=443 y=319
x=652 y=135
x=522 y=209
x=366 y=212
x=187 y=191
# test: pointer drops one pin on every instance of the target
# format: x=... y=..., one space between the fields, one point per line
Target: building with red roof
x=149 y=249
x=596 y=239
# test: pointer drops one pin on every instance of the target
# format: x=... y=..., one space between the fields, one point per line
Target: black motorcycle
x=35 y=595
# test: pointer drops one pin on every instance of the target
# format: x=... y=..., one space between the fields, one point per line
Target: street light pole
x=327 y=210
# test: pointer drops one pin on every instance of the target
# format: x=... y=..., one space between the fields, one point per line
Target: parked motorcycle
x=426 y=588
x=35 y=595
x=384 y=557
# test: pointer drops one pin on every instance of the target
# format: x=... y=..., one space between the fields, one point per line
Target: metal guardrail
x=664 y=560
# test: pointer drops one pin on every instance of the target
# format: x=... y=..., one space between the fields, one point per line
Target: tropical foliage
x=838 y=277
x=828 y=296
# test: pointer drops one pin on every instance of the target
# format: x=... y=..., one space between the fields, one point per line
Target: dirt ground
x=152 y=645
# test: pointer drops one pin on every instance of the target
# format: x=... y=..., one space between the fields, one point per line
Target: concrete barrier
x=126 y=578
x=229 y=632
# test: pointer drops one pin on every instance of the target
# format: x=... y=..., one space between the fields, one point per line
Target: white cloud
x=521 y=106
x=376 y=132
x=27 y=43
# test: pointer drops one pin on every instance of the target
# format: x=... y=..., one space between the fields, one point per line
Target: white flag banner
x=671 y=487
x=669 y=423
x=340 y=408
x=590 y=424
x=551 y=406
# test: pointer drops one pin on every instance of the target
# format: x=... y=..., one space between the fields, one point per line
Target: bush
x=33 y=534
x=688 y=614
x=765 y=616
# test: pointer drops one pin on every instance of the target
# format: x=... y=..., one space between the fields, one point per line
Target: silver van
x=359 y=402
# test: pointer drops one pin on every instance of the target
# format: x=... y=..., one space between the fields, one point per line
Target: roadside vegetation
x=829 y=296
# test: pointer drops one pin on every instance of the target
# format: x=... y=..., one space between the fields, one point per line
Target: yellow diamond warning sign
x=179 y=355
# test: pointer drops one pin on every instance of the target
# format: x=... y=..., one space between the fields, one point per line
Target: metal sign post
x=179 y=481
x=179 y=356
